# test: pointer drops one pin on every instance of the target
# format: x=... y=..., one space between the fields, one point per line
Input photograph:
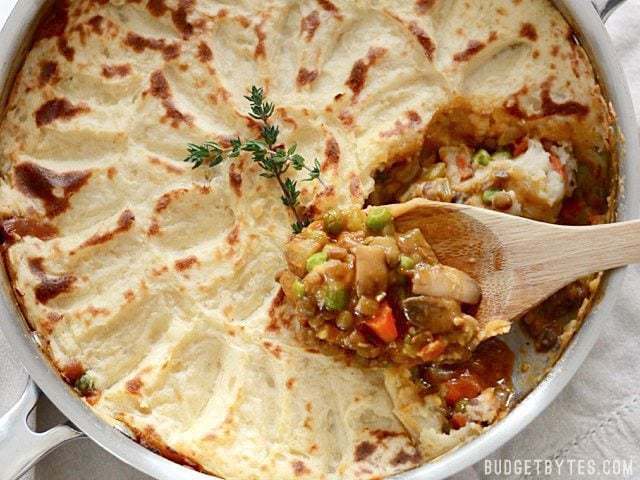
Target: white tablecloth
x=595 y=419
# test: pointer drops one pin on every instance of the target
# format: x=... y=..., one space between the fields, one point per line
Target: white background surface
x=597 y=417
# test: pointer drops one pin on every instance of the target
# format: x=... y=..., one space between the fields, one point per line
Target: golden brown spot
x=234 y=235
x=125 y=221
x=111 y=173
x=159 y=88
x=58 y=109
x=260 y=51
x=204 y=52
x=413 y=121
x=157 y=8
x=186 y=263
x=151 y=440
x=48 y=73
x=346 y=118
x=179 y=18
x=52 y=188
x=363 y=451
x=527 y=30
x=14 y=228
x=328 y=6
x=129 y=296
x=154 y=228
x=49 y=286
x=134 y=385
x=54 y=23
x=473 y=47
x=95 y=23
x=358 y=76
x=555 y=50
x=427 y=44
x=72 y=371
x=309 y=25
x=548 y=105
x=275 y=350
x=110 y=71
x=50 y=322
x=139 y=44
x=423 y=6
x=403 y=457
x=235 y=179
x=305 y=77
x=535 y=53
x=290 y=383
x=65 y=50
x=299 y=468
x=331 y=154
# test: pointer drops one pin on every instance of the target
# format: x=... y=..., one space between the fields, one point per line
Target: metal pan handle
x=21 y=447
x=606 y=7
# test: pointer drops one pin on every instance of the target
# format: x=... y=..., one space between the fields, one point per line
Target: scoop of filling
x=359 y=284
x=531 y=179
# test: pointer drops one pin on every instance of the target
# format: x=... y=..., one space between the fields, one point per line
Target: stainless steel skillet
x=20 y=447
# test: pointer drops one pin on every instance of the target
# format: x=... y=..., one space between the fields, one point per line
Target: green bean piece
x=86 y=383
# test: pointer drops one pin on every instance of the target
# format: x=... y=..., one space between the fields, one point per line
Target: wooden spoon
x=517 y=262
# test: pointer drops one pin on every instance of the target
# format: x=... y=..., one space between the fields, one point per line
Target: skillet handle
x=606 y=7
x=21 y=447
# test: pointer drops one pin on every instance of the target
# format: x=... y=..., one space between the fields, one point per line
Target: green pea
x=334 y=297
x=482 y=157
x=406 y=262
x=378 y=218
x=501 y=155
x=344 y=320
x=487 y=195
x=316 y=260
x=86 y=383
x=333 y=222
x=298 y=288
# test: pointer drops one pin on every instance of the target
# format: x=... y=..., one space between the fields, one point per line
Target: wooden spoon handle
x=595 y=248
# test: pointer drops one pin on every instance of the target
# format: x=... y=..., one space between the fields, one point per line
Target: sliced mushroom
x=433 y=314
x=446 y=282
x=371 y=270
x=390 y=247
x=413 y=243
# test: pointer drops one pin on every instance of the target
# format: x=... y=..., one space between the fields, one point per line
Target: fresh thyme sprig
x=274 y=160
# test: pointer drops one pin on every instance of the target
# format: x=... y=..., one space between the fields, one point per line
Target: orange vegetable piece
x=383 y=324
x=556 y=165
x=466 y=386
x=458 y=420
x=432 y=350
x=463 y=163
x=521 y=146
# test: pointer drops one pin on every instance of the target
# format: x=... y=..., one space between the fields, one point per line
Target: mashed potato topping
x=152 y=288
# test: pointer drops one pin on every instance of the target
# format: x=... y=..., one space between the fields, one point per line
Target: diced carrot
x=432 y=350
x=521 y=146
x=383 y=324
x=461 y=387
x=458 y=420
x=463 y=162
x=556 y=165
